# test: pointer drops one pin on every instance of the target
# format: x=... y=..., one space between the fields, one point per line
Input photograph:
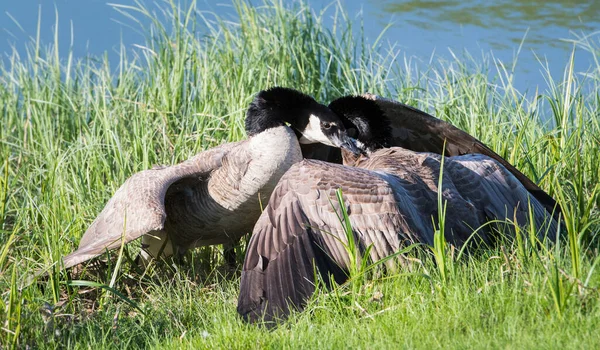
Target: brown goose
x=418 y=131
x=391 y=198
x=213 y=198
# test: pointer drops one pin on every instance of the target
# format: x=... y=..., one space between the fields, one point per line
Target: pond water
x=419 y=28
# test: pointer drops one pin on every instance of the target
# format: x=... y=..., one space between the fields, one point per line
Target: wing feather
x=491 y=187
x=418 y=131
x=390 y=202
x=137 y=207
x=300 y=230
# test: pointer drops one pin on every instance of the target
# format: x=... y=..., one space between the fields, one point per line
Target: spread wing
x=493 y=189
x=418 y=131
x=300 y=233
x=477 y=189
x=137 y=207
x=300 y=230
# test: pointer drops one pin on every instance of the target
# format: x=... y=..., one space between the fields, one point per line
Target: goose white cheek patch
x=313 y=132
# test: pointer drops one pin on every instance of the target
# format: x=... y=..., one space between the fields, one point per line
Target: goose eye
x=327 y=125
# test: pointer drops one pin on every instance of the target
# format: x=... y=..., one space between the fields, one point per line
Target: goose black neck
x=276 y=107
x=364 y=115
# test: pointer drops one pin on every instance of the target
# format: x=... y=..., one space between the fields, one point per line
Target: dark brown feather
x=391 y=198
x=418 y=131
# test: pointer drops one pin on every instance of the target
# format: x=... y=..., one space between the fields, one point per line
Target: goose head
x=311 y=121
x=365 y=121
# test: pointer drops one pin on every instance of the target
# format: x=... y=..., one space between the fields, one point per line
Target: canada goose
x=391 y=198
x=213 y=198
x=418 y=131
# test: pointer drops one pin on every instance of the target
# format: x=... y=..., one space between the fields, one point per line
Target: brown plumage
x=214 y=197
x=391 y=198
x=418 y=131
x=189 y=203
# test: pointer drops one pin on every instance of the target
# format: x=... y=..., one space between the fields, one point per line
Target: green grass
x=74 y=129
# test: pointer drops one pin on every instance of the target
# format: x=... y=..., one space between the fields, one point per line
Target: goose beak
x=348 y=143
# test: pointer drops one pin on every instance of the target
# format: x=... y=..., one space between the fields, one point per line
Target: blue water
x=418 y=28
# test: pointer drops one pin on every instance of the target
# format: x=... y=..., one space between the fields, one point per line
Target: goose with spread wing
x=214 y=197
x=418 y=131
x=391 y=198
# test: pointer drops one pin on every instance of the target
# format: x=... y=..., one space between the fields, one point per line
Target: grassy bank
x=73 y=130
